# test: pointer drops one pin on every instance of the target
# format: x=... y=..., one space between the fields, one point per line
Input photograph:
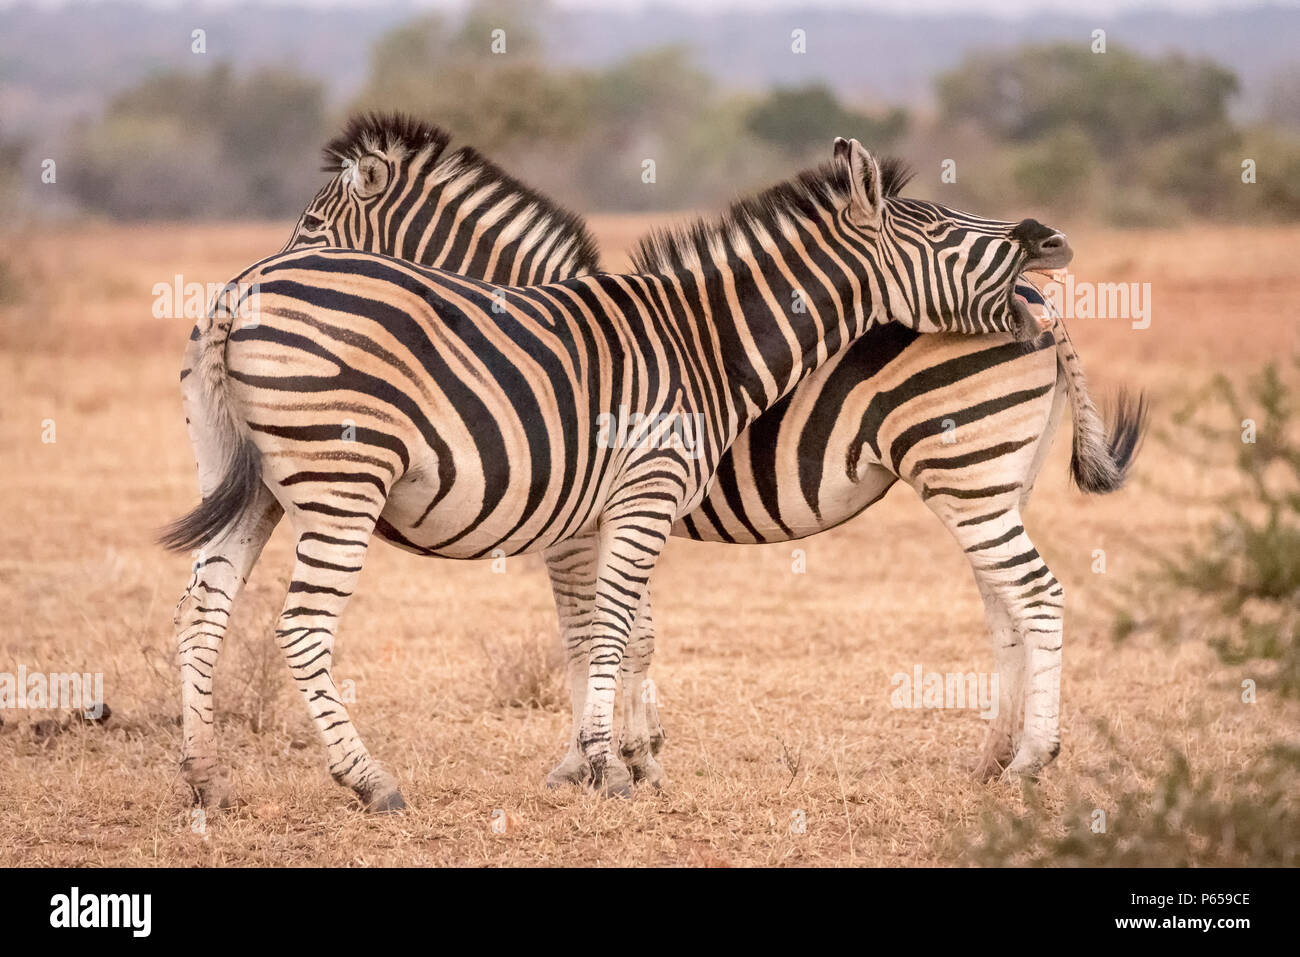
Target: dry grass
x=774 y=686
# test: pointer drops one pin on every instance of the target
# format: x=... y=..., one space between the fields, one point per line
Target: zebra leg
x=1009 y=660
x=1010 y=652
x=629 y=547
x=1039 y=612
x=572 y=567
x=1010 y=572
x=329 y=564
x=202 y=618
x=643 y=735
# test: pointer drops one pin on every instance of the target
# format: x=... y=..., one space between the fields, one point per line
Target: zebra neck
x=774 y=322
x=422 y=243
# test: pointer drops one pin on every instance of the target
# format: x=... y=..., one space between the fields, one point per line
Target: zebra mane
x=392 y=133
x=805 y=196
x=403 y=137
x=533 y=211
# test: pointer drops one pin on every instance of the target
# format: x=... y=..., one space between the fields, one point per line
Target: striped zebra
x=394 y=190
x=966 y=422
x=365 y=395
x=752 y=501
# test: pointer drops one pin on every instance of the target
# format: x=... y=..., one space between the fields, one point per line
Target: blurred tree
x=1154 y=131
x=659 y=89
x=492 y=89
x=1059 y=169
x=1198 y=169
x=1275 y=194
x=801 y=119
x=1282 y=105
x=209 y=144
x=648 y=107
x=13 y=152
x=1119 y=99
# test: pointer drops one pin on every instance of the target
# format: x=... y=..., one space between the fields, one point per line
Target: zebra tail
x=1101 y=458
x=223 y=431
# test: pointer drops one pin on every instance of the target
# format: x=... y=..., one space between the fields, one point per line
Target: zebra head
x=374 y=162
x=395 y=192
x=943 y=270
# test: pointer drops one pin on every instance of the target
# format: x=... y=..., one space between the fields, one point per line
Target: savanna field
x=774 y=686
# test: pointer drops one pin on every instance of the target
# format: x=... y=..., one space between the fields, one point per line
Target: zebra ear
x=863 y=173
x=370 y=176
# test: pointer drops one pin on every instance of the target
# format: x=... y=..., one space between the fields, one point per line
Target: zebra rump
x=243 y=473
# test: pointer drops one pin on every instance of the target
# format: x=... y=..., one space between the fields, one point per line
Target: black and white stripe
x=397 y=191
x=394 y=188
x=456 y=417
x=967 y=423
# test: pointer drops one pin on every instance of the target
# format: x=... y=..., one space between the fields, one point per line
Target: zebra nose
x=1053 y=243
x=1042 y=244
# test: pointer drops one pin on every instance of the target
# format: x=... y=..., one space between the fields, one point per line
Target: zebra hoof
x=648 y=773
x=614 y=781
x=379 y=794
x=621 y=790
x=388 y=803
x=213 y=798
x=209 y=784
x=563 y=779
x=1029 y=761
x=569 y=772
x=997 y=754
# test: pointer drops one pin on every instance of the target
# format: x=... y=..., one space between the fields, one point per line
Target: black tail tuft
x=1122 y=445
x=223 y=507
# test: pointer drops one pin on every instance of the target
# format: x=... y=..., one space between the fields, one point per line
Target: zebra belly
x=955 y=416
x=408 y=522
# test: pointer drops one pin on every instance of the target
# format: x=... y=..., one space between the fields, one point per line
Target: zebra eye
x=937 y=230
x=312 y=222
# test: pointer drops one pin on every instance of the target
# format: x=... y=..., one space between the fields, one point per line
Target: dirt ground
x=774 y=686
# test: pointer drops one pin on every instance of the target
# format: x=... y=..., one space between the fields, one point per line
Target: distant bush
x=1121 y=100
x=203 y=145
x=1275 y=194
x=1248 y=819
x=797 y=119
x=1135 y=140
x=1238 y=585
x=1062 y=169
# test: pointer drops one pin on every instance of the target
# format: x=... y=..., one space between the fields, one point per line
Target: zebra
x=455 y=417
x=966 y=422
x=394 y=189
x=936 y=368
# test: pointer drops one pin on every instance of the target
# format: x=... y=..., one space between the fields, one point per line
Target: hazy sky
x=1002 y=7
x=1009 y=8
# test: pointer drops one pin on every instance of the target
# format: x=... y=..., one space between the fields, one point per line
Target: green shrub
x=1185 y=820
x=1237 y=584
